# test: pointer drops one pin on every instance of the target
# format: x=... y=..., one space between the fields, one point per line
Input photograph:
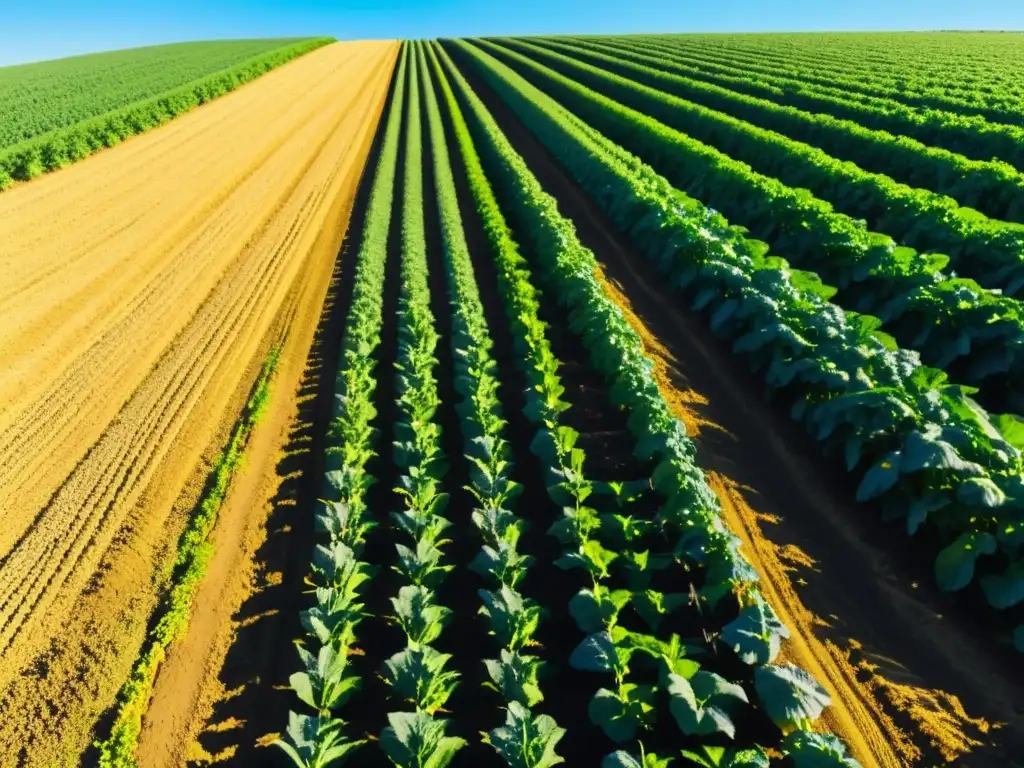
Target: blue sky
x=33 y=30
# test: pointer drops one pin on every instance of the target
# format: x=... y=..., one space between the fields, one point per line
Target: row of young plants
x=50 y=151
x=990 y=251
x=527 y=739
x=338 y=575
x=997 y=105
x=967 y=76
x=924 y=449
x=951 y=321
x=995 y=188
x=787 y=82
x=418 y=674
x=195 y=549
x=969 y=135
x=621 y=551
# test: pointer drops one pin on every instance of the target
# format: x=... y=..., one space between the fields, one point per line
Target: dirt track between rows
x=138 y=287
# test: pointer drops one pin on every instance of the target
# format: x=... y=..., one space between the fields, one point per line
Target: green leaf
x=756 y=635
x=621 y=716
x=598 y=609
x=789 y=695
x=1011 y=427
x=417 y=740
x=418 y=615
x=1006 y=589
x=597 y=653
x=720 y=757
x=516 y=677
x=808 y=749
x=980 y=492
x=315 y=742
x=417 y=675
x=514 y=619
x=526 y=740
x=623 y=759
x=954 y=567
x=654 y=606
x=880 y=478
x=705 y=703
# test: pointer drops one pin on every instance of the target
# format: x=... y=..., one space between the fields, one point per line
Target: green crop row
x=949 y=320
x=932 y=456
x=194 y=552
x=339 y=576
x=619 y=552
x=990 y=251
x=969 y=135
x=992 y=187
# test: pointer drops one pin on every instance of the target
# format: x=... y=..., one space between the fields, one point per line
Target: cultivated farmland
x=143 y=288
x=664 y=410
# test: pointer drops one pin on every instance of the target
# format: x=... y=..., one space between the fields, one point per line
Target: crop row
x=621 y=540
x=930 y=454
x=956 y=89
x=951 y=321
x=970 y=135
x=992 y=187
x=990 y=251
x=619 y=551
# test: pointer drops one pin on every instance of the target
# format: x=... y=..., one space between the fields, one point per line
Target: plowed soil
x=138 y=289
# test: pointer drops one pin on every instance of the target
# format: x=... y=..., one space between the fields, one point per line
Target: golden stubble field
x=139 y=291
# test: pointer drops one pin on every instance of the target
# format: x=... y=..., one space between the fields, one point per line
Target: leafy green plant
x=324 y=685
x=502 y=563
x=623 y=759
x=514 y=619
x=720 y=757
x=516 y=677
x=807 y=749
x=334 y=618
x=705 y=704
x=316 y=742
x=526 y=740
x=422 y=566
x=419 y=616
x=789 y=695
x=417 y=740
x=418 y=676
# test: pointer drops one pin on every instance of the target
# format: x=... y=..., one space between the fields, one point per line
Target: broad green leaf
x=954 y=567
x=705 y=703
x=880 y=478
x=621 y=716
x=516 y=677
x=807 y=749
x=720 y=757
x=526 y=740
x=597 y=653
x=789 y=695
x=417 y=740
x=1006 y=589
x=756 y=635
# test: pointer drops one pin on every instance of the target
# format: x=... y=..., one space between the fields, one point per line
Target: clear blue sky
x=32 y=30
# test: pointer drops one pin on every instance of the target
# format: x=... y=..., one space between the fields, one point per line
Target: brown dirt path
x=171 y=723
x=915 y=680
x=145 y=370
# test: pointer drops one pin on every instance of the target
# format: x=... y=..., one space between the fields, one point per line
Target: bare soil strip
x=914 y=679
x=176 y=280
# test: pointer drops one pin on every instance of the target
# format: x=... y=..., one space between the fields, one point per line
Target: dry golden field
x=142 y=288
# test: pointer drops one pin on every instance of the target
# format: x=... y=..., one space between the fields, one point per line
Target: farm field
x=143 y=288
x=57 y=112
x=646 y=401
